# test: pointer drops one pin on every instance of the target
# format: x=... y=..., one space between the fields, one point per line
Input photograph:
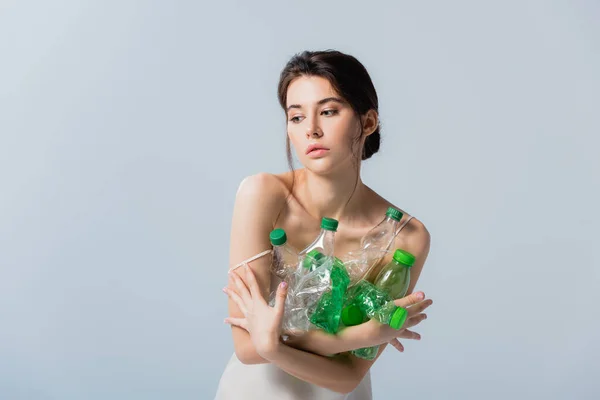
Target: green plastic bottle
x=389 y=314
x=394 y=278
x=376 y=301
x=329 y=306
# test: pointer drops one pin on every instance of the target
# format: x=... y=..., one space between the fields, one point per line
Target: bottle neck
x=327 y=232
x=391 y=220
x=401 y=264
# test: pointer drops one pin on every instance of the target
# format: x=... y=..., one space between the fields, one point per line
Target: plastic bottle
x=376 y=301
x=394 y=278
x=329 y=306
x=285 y=261
x=324 y=243
x=285 y=257
x=374 y=244
x=382 y=235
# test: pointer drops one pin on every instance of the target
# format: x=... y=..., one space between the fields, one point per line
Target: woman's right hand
x=415 y=304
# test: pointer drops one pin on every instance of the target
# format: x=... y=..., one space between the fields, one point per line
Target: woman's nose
x=313 y=130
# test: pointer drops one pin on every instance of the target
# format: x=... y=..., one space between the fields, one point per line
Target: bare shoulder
x=417 y=234
x=263 y=192
x=266 y=186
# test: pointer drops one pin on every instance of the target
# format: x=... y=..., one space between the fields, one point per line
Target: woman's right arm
x=258 y=200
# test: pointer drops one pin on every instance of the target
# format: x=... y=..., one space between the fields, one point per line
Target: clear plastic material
x=379 y=239
x=305 y=294
x=360 y=263
x=285 y=260
x=323 y=244
x=283 y=263
x=381 y=236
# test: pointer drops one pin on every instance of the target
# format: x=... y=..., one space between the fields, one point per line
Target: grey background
x=126 y=127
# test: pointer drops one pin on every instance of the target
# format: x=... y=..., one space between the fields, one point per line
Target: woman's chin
x=324 y=167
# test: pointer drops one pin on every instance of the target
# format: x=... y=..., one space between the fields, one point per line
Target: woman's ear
x=370 y=122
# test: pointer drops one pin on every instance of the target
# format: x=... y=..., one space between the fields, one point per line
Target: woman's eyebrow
x=320 y=102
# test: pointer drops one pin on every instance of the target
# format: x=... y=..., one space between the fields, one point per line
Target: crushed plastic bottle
x=375 y=301
x=329 y=306
x=308 y=289
x=312 y=279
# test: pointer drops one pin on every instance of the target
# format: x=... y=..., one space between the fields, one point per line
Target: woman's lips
x=315 y=150
x=318 y=152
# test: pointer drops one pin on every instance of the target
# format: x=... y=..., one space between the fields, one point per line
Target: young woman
x=331 y=109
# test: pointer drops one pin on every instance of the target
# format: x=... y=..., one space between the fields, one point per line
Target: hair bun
x=372 y=143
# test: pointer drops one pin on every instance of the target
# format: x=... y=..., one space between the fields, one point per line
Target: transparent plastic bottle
x=324 y=244
x=382 y=235
x=285 y=261
x=285 y=257
x=375 y=243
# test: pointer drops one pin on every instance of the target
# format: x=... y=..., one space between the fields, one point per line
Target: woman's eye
x=330 y=112
x=295 y=119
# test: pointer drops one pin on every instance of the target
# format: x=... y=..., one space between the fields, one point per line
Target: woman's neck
x=336 y=197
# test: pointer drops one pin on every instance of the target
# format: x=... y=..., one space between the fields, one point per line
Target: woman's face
x=321 y=125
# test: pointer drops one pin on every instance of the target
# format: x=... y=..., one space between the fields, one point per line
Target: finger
x=410 y=299
x=412 y=321
x=419 y=307
x=240 y=322
x=242 y=289
x=252 y=284
x=237 y=300
x=280 y=297
x=397 y=345
x=406 y=334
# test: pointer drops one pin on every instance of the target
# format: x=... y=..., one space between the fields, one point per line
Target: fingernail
x=420 y=295
x=283 y=285
x=225 y=321
x=224 y=290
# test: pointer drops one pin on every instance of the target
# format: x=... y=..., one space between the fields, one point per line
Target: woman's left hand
x=262 y=321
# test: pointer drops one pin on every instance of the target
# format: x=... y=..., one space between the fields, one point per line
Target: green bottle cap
x=278 y=237
x=398 y=318
x=404 y=257
x=312 y=256
x=351 y=315
x=329 y=224
x=394 y=214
